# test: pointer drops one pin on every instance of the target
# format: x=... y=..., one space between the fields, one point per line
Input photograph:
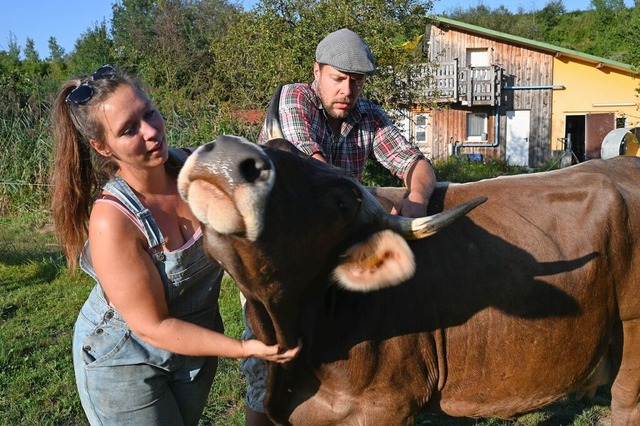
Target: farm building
x=508 y=97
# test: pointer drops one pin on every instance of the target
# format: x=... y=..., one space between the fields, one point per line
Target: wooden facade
x=509 y=79
x=517 y=99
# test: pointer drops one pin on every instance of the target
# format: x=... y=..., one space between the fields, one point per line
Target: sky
x=67 y=20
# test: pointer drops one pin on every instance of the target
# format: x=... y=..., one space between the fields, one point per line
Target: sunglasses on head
x=84 y=92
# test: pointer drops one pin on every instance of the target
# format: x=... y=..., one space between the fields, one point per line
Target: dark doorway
x=574 y=133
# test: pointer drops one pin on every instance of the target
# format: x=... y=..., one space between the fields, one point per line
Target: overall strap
x=121 y=190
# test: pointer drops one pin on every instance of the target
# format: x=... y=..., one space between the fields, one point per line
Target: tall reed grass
x=26 y=150
x=25 y=146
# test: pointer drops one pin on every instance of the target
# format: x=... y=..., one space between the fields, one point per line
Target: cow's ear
x=383 y=260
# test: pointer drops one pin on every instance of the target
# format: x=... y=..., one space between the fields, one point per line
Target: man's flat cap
x=347 y=52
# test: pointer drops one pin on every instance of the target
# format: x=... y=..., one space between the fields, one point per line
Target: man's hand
x=319 y=156
x=414 y=205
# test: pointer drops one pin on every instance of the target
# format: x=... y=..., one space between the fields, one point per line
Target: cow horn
x=422 y=227
x=272 y=120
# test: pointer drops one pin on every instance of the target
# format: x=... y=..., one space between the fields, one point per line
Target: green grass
x=38 y=305
x=39 y=302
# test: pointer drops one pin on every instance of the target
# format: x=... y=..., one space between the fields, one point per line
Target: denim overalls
x=123 y=380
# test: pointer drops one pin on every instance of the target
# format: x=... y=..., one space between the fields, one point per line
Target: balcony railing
x=468 y=86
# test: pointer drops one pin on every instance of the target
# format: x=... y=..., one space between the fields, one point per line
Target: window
x=401 y=119
x=478 y=57
x=477 y=127
x=420 y=128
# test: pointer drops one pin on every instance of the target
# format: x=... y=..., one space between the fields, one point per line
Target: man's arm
x=421 y=182
x=407 y=162
x=297 y=114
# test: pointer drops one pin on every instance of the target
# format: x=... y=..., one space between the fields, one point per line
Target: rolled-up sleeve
x=392 y=149
x=300 y=118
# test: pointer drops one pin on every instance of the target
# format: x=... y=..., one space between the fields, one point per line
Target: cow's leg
x=625 y=393
x=340 y=410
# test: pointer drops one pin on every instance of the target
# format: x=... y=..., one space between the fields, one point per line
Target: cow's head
x=285 y=226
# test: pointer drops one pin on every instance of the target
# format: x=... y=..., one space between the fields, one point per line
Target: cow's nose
x=241 y=160
x=254 y=169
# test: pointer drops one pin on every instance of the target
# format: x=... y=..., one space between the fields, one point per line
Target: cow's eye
x=347 y=202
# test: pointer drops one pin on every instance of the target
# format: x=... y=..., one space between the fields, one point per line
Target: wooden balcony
x=467 y=86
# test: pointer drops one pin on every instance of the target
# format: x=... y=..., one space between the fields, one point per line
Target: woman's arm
x=133 y=286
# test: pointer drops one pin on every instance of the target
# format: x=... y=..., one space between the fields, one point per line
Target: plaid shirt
x=367 y=132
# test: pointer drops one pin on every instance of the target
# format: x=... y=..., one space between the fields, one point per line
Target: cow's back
x=533 y=279
x=594 y=204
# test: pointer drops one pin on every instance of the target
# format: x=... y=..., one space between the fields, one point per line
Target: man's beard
x=342 y=114
x=328 y=109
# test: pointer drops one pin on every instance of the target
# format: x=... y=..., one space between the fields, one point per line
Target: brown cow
x=532 y=295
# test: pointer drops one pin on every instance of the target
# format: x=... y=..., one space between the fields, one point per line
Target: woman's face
x=134 y=130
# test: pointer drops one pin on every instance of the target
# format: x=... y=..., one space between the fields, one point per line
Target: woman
x=146 y=340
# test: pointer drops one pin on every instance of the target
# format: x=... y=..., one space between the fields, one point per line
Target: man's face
x=338 y=91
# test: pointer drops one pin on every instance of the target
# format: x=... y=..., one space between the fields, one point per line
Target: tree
x=22 y=82
x=57 y=65
x=610 y=18
x=549 y=16
x=498 y=19
x=30 y=52
x=93 y=49
x=166 y=43
x=11 y=57
x=32 y=67
x=56 y=52
x=631 y=36
x=275 y=43
x=11 y=80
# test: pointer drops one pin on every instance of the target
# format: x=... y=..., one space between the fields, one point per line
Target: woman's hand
x=275 y=353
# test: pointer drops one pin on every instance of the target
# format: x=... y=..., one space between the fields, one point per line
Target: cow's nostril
x=209 y=147
x=253 y=170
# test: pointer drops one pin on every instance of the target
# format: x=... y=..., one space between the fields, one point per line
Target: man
x=329 y=121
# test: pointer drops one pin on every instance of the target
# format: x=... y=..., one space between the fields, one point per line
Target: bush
x=460 y=169
x=27 y=145
x=376 y=175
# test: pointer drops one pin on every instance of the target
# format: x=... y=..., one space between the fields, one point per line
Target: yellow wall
x=586 y=85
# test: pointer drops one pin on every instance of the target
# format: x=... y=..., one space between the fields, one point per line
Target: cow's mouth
x=214 y=207
x=226 y=184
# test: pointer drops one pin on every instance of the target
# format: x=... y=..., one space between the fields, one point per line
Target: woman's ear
x=100 y=148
